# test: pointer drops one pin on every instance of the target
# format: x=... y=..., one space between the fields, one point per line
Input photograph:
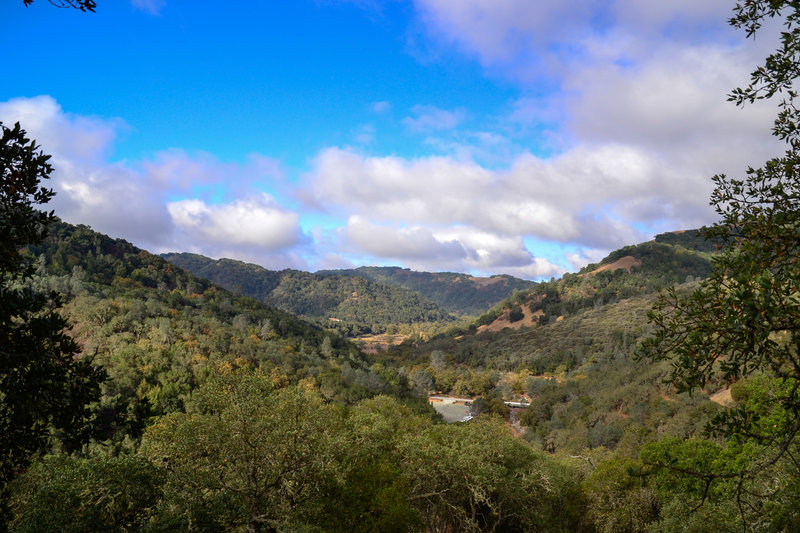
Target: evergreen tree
x=744 y=320
x=45 y=389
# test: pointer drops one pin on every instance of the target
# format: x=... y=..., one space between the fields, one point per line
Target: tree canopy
x=744 y=320
x=44 y=388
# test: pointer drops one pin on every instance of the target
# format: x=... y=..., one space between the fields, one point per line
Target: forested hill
x=353 y=305
x=159 y=330
x=460 y=294
x=568 y=346
x=669 y=259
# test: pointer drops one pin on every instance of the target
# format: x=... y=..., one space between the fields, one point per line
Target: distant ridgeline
x=670 y=259
x=358 y=301
x=460 y=294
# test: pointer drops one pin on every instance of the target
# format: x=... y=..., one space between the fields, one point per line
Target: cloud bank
x=619 y=122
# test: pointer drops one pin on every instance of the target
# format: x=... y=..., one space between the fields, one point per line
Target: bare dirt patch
x=379 y=343
x=503 y=322
x=623 y=262
x=722 y=397
x=485 y=282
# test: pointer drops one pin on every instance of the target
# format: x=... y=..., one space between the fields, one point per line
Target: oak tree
x=744 y=320
x=45 y=389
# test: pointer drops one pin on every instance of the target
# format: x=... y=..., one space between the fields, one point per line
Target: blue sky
x=504 y=136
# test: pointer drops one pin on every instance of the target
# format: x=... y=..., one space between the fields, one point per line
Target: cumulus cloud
x=430 y=118
x=83 y=139
x=456 y=248
x=582 y=197
x=651 y=75
x=527 y=39
x=171 y=202
x=498 y=30
x=584 y=257
x=408 y=243
x=254 y=221
x=627 y=96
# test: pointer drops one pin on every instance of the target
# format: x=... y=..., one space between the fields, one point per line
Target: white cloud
x=178 y=170
x=171 y=202
x=457 y=248
x=585 y=196
x=254 y=221
x=409 y=243
x=430 y=118
x=527 y=39
x=584 y=257
x=629 y=96
x=496 y=31
x=83 y=139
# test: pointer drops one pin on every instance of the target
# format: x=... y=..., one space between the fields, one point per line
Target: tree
x=744 y=320
x=479 y=477
x=45 y=389
x=247 y=454
x=83 y=5
x=62 y=493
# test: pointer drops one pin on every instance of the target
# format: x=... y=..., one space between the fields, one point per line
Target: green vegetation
x=221 y=413
x=742 y=324
x=656 y=265
x=46 y=391
x=159 y=331
x=253 y=454
x=351 y=305
x=459 y=294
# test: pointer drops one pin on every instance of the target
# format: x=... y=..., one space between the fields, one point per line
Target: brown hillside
x=485 y=282
x=503 y=322
x=623 y=262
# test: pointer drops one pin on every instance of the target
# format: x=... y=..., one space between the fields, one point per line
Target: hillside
x=646 y=268
x=585 y=386
x=460 y=294
x=353 y=305
x=568 y=346
x=198 y=376
x=159 y=331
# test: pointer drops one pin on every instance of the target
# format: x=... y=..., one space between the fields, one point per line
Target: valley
x=550 y=372
x=422 y=266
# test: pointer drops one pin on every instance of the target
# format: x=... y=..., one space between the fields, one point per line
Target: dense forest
x=221 y=413
x=459 y=294
x=351 y=305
